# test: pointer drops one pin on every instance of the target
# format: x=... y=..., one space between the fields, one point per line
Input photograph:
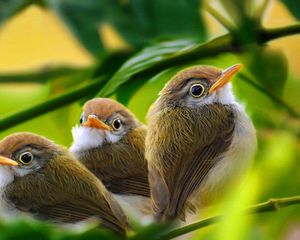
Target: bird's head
x=103 y=121
x=22 y=154
x=199 y=85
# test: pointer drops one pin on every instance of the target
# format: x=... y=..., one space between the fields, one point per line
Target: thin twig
x=50 y=105
x=269 y=206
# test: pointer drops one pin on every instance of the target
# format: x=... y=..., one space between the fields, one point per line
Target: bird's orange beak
x=94 y=122
x=7 y=162
x=225 y=77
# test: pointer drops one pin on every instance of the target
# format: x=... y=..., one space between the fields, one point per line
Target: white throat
x=85 y=138
x=6 y=177
x=224 y=95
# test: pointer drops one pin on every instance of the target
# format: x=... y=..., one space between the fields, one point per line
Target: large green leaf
x=139 y=22
x=140 y=101
x=269 y=68
x=159 y=57
x=156 y=20
x=143 y=60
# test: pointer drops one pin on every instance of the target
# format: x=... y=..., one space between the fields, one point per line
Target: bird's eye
x=26 y=158
x=82 y=120
x=197 y=90
x=116 y=124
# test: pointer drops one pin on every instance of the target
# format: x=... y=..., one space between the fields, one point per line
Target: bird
x=199 y=139
x=110 y=142
x=45 y=181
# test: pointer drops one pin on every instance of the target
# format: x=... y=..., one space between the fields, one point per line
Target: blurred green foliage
x=165 y=37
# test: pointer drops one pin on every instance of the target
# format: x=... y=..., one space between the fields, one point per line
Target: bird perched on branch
x=199 y=137
x=45 y=180
x=110 y=143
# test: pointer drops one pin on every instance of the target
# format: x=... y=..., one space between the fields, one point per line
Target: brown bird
x=110 y=143
x=199 y=138
x=45 y=180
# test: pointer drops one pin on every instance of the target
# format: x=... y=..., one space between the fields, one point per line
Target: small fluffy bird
x=199 y=138
x=43 y=179
x=110 y=142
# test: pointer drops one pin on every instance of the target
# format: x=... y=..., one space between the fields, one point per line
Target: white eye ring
x=116 y=124
x=197 y=90
x=26 y=158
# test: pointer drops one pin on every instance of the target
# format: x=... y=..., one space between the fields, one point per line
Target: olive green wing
x=159 y=193
x=200 y=162
x=189 y=147
x=131 y=185
x=73 y=211
x=73 y=195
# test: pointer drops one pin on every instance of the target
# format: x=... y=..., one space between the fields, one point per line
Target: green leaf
x=161 y=56
x=269 y=68
x=140 y=101
x=139 y=22
x=144 y=60
x=293 y=6
x=157 y=20
x=25 y=230
x=125 y=92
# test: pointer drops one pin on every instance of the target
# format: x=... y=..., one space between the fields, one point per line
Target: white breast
x=138 y=208
x=85 y=138
x=6 y=177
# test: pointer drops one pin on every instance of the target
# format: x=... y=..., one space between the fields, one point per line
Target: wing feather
x=69 y=195
x=186 y=154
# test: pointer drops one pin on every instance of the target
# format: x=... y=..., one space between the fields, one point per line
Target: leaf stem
x=268 y=206
x=50 y=105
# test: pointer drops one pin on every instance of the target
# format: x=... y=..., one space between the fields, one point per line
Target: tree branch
x=50 y=105
x=275 y=33
x=44 y=75
x=269 y=206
